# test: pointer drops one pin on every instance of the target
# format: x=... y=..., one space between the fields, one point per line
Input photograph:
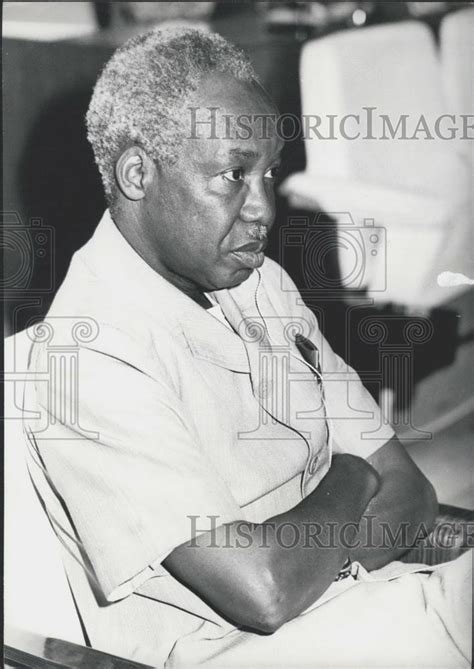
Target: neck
x=136 y=241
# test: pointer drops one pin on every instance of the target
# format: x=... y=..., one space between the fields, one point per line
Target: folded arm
x=403 y=509
x=257 y=575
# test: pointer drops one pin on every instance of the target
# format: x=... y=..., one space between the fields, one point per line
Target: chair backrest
x=456 y=50
x=37 y=595
x=394 y=69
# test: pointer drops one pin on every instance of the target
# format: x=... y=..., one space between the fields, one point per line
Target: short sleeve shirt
x=157 y=421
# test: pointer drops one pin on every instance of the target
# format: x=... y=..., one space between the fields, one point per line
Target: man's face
x=208 y=215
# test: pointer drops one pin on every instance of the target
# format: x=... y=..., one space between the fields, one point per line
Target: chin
x=231 y=280
x=239 y=277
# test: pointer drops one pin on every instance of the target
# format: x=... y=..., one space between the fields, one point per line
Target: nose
x=259 y=205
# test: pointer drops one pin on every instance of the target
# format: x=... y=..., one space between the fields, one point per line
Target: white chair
x=37 y=596
x=416 y=190
x=456 y=51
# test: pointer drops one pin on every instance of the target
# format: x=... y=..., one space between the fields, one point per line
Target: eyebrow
x=249 y=153
x=242 y=153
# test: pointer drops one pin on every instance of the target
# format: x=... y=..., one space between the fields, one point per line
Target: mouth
x=250 y=255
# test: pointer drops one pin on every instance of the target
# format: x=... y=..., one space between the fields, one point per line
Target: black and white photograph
x=238 y=303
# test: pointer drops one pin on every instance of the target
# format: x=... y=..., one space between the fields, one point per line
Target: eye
x=233 y=175
x=272 y=173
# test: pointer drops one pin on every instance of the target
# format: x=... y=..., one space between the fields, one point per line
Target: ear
x=134 y=171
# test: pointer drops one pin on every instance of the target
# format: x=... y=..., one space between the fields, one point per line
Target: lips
x=250 y=255
x=254 y=247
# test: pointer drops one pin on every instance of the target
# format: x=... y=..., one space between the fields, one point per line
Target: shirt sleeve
x=358 y=426
x=133 y=489
x=357 y=422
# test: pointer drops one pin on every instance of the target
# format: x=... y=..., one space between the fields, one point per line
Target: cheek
x=213 y=220
x=271 y=199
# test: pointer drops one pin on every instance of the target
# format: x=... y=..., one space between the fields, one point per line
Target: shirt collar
x=110 y=256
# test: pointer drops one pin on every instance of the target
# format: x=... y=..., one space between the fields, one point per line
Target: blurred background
x=364 y=226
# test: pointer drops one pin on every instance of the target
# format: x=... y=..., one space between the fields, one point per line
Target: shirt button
x=313 y=465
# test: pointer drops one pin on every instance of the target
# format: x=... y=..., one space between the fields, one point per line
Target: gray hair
x=141 y=91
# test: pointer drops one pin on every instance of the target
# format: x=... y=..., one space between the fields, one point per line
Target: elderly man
x=224 y=489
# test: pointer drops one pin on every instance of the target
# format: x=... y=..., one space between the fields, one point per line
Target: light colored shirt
x=157 y=420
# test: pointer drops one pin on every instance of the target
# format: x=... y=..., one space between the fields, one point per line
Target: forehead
x=234 y=95
x=235 y=117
